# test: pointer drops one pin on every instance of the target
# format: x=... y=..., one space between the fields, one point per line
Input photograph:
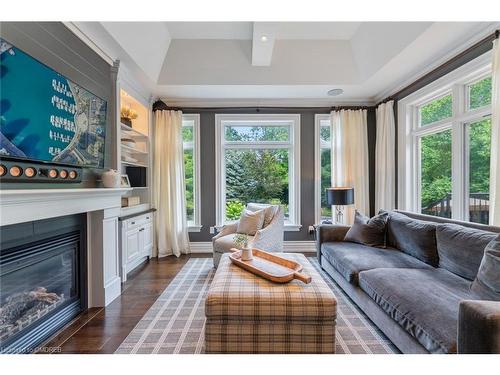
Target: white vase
x=246 y=253
x=111 y=179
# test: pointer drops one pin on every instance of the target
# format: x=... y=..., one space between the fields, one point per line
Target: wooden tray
x=270 y=266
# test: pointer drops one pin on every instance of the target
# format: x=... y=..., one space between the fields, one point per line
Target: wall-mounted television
x=46 y=117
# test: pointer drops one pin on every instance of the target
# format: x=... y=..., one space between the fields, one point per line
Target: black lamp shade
x=340 y=196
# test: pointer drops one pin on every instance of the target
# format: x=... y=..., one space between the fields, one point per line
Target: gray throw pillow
x=366 y=231
x=461 y=249
x=414 y=237
x=250 y=222
x=486 y=285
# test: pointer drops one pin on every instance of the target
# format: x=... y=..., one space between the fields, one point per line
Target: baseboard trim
x=205 y=247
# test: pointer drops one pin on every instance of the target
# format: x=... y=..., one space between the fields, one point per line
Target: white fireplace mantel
x=22 y=205
x=102 y=207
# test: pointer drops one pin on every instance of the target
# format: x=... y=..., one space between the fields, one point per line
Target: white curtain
x=349 y=136
x=385 y=163
x=168 y=183
x=495 y=139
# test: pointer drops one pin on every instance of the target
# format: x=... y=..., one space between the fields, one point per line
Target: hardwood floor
x=102 y=330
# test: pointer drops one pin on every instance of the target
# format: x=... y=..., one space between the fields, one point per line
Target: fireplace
x=42 y=280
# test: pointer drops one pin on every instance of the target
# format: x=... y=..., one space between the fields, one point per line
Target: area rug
x=176 y=321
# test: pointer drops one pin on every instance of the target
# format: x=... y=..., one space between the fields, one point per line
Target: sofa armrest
x=478 y=327
x=329 y=233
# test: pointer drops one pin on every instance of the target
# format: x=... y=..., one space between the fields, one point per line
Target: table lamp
x=340 y=197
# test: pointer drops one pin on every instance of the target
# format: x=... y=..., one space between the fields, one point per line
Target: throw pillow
x=269 y=211
x=250 y=222
x=414 y=237
x=366 y=231
x=487 y=282
x=461 y=249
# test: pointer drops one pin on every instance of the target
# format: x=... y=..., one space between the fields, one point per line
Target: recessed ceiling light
x=335 y=92
x=263 y=38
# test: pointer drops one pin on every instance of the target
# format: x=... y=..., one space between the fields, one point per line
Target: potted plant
x=241 y=241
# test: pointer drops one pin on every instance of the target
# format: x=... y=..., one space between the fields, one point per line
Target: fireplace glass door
x=36 y=281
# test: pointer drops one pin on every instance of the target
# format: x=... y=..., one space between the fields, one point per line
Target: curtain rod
x=160 y=105
x=491 y=37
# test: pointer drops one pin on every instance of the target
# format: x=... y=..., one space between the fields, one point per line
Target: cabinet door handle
x=141 y=230
x=132 y=223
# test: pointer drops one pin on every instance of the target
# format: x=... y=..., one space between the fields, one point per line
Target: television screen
x=45 y=116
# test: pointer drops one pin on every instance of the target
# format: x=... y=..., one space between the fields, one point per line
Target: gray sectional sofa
x=417 y=289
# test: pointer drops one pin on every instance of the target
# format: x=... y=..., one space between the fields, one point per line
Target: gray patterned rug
x=175 y=323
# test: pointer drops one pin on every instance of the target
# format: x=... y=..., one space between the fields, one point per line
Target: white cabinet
x=136 y=242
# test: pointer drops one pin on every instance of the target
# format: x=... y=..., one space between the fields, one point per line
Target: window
x=445 y=138
x=323 y=166
x=479 y=145
x=258 y=160
x=191 y=146
x=436 y=110
x=479 y=93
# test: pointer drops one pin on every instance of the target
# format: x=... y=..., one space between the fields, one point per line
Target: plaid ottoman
x=248 y=314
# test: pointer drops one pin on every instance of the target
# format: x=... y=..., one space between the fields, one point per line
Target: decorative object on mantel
x=270 y=266
x=127 y=114
x=13 y=170
x=241 y=241
x=125 y=183
x=111 y=178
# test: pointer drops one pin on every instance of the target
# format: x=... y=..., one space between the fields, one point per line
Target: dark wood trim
x=161 y=105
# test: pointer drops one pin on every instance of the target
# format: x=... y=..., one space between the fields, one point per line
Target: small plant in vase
x=241 y=241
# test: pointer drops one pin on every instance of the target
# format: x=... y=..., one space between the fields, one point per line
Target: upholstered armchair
x=269 y=238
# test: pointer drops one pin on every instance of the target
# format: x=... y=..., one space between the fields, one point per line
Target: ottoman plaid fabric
x=248 y=314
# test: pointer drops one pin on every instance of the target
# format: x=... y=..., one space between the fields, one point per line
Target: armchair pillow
x=487 y=282
x=366 y=231
x=269 y=211
x=250 y=222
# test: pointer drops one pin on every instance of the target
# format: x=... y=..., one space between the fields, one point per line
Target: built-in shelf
x=133 y=150
x=131 y=132
x=134 y=164
x=138 y=153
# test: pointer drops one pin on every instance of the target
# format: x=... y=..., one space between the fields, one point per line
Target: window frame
x=194 y=226
x=318 y=118
x=410 y=132
x=293 y=145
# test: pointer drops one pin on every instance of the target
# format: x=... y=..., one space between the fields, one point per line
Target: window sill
x=287 y=228
x=194 y=228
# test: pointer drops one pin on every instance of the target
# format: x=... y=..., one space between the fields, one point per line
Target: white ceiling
x=198 y=63
x=281 y=30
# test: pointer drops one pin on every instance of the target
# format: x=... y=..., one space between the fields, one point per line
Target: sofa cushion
x=422 y=301
x=366 y=231
x=350 y=258
x=415 y=237
x=461 y=249
x=486 y=285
